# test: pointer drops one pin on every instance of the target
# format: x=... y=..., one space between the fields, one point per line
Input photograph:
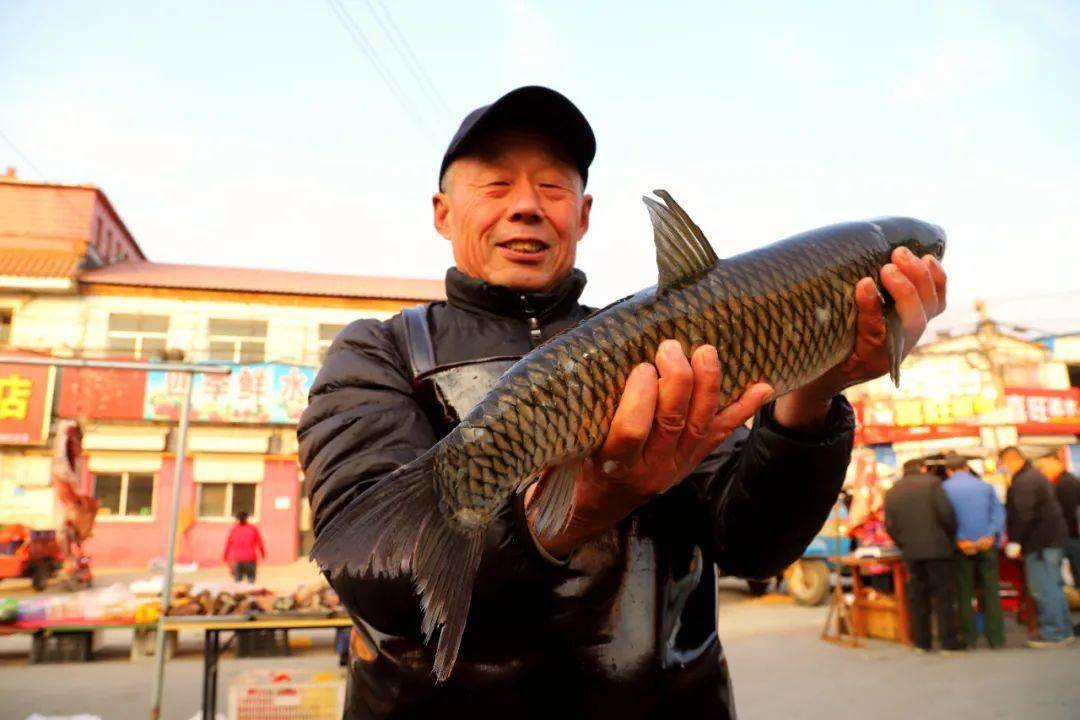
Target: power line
x=365 y=46
x=405 y=52
x=24 y=157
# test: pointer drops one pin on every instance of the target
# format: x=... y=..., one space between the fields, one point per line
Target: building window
x=140 y=336
x=224 y=500
x=124 y=494
x=6 y=316
x=237 y=341
x=327 y=333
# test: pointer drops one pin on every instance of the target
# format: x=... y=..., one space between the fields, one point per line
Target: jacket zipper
x=534 y=325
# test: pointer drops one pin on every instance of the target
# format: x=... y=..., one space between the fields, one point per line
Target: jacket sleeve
x=1020 y=514
x=767 y=491
x=892 y=522
x=943 y=510
x=228 y=545
x=997 y=514
x=362 y=422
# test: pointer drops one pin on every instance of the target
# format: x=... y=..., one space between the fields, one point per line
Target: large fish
x=782 y=314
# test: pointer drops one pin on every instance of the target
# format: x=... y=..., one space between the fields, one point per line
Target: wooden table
x=863 y=603
x=212 y=646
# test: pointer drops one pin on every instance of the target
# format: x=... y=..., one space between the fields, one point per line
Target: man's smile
x=523 y=249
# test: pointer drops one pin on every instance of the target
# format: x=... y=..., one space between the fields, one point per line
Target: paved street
x=780 y=666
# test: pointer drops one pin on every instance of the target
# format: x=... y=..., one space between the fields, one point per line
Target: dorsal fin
x=682 y=252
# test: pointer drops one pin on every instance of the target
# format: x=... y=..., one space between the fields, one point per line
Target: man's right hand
x=666 y=424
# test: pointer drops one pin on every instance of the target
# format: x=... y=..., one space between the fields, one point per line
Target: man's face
x=1012 y=462
x=514 y=212
x=1051 y=467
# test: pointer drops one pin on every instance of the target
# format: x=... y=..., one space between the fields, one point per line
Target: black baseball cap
x=533 y=108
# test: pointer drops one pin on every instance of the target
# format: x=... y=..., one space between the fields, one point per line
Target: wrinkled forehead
x=506 y=145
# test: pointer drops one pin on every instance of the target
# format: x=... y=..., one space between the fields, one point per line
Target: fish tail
x=397 y=527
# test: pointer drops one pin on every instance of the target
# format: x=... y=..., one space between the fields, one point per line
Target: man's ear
x=440 y=205
x=586 y=208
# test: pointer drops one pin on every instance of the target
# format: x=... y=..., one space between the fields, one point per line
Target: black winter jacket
x=920 y=518
x=1067 y=490
x=627 y=626
x=1032 y=514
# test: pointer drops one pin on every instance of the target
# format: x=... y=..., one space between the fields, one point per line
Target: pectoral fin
x=554 y=501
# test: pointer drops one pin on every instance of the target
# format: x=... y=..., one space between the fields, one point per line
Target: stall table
x=42 y=630
x=869 y=606
x=212 y=628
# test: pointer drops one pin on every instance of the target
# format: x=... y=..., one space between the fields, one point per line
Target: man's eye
x=499 y=183
x=552 y=186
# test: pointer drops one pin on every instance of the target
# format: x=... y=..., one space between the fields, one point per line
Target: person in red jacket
x=243 y=548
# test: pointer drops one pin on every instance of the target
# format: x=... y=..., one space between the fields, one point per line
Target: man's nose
x=524 y=203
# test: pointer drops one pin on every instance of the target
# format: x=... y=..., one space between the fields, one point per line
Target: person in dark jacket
x=919 y=517
x=615 y=616
x=1067 y=490
x=1037 y=531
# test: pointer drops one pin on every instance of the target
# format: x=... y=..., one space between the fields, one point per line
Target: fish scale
x=782 y=314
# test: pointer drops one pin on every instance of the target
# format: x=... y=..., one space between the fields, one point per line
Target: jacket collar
x=475 y=295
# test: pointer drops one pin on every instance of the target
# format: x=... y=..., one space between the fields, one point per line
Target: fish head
x=921 y=238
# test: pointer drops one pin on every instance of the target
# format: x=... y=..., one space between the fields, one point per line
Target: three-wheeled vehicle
x=38 y=555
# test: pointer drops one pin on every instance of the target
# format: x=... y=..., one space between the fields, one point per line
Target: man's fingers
x=673 y=401
x=919 y=275
x=703 y=402
x=632 y=422
x=909 y=305
x=937 y=272
x=731 y=417
x=871 y=318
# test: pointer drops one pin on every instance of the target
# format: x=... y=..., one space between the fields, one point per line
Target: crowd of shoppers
x=949 y=525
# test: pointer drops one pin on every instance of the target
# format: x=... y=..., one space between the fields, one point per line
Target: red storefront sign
x=26 y=393
x=1036 y=411
x=1044 y=412
x=102 y=394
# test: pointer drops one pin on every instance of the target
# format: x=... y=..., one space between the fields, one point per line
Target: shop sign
x=1040 y=411
x=256 y=393
x=26 y=393
x=922 y=412
x=102 y=394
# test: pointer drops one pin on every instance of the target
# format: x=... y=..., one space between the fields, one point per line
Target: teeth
x=525 y=245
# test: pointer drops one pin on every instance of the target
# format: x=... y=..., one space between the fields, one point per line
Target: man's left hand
x=917 y=287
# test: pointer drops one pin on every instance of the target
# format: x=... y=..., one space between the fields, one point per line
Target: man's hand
x=666 y=423
x=984 y=543
x=918 y=289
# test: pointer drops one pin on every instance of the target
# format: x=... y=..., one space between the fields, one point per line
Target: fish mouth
x=525 y=246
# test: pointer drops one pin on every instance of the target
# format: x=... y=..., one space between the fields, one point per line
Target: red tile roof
x=280 y=282
x=38 y=263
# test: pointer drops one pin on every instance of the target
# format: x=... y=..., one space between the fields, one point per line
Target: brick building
x=74 y=283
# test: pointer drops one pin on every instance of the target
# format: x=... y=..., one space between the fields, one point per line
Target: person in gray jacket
x=921 y=520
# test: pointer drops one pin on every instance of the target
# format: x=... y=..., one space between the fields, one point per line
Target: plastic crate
x=287 y=695
x=62 y=647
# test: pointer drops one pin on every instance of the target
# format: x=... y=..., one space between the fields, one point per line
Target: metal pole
x=166 y=590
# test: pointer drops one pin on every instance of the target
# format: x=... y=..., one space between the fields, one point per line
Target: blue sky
x=258 y=134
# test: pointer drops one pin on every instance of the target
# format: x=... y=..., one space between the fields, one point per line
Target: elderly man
x=1037 y=531
x=980 y=524
x=615 y=615
x=1067 y=489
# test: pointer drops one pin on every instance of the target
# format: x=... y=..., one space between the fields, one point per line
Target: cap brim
x=529 y=108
